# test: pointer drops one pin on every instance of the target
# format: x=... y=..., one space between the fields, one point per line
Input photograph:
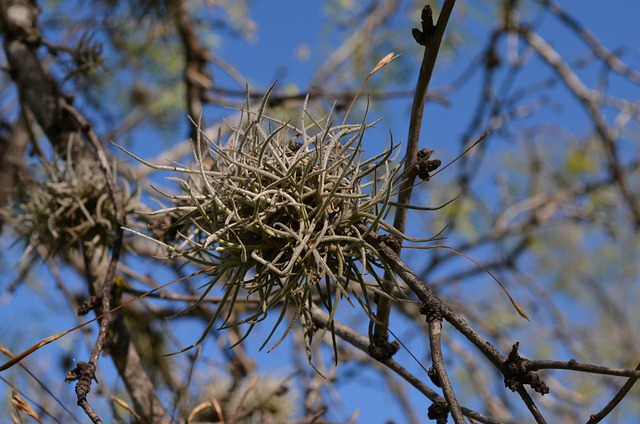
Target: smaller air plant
x=277 y=214
x=70 y=207
x=251 y=399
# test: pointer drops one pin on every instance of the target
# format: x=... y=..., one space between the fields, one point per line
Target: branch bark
x=431 y=39
x=18 y=20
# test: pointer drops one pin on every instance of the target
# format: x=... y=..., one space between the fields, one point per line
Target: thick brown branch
x=196 y=74
x=36 y=87
x=12 y=151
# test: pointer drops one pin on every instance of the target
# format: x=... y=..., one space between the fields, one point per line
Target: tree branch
x=430 y=38
x=435 y=331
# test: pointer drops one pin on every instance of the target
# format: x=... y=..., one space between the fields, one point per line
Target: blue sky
x=285 y=27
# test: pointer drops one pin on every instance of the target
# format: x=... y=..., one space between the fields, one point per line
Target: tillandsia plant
x=71 y=207
x=277 y=211
x=255 y=398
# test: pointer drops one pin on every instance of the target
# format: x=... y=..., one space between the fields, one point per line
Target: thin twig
x=381 y=12
x=435 y=331
x=107 y=284
x=432 y=39
x=611 y=59
x=572 y=365
x=591 y=101
x=528 y=401
x=622 y=393
x=120 y=224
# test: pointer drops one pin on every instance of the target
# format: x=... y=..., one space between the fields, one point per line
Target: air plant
x=71 y=207
x=277 y=213
x=250 y=399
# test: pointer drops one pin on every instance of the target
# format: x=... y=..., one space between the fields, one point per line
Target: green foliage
x=579 y=162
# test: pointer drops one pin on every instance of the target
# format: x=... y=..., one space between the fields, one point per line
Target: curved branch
x=622 y=393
